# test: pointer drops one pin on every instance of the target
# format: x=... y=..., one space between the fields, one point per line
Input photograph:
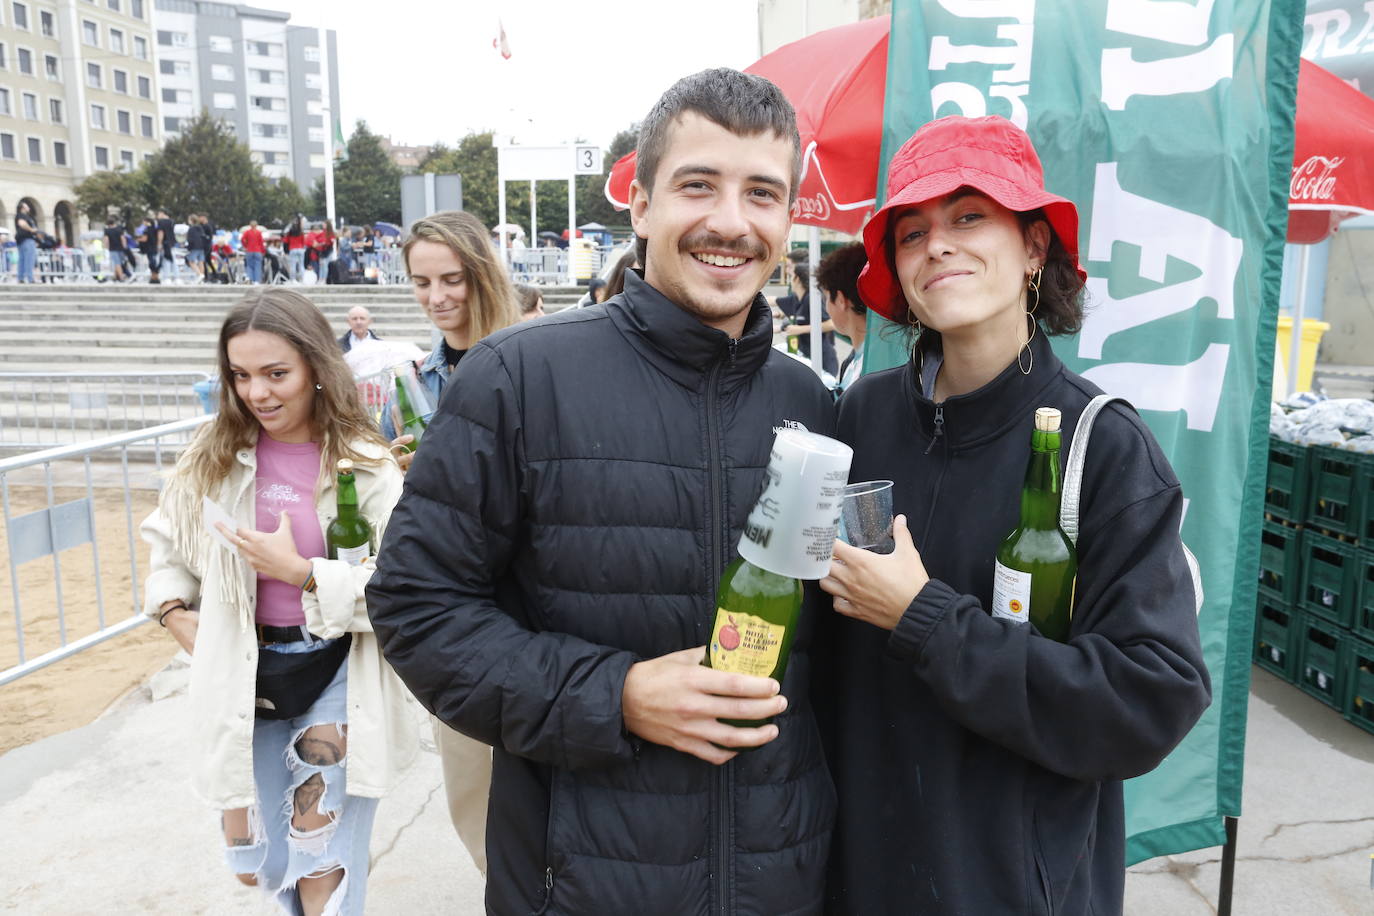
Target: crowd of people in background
x=197 y=250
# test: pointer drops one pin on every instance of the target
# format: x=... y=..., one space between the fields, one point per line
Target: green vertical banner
x=1170 y=125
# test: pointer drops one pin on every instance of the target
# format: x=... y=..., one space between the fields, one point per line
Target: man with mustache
x=547 y=581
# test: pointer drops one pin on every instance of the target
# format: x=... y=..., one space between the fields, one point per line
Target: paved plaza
x=101 y=820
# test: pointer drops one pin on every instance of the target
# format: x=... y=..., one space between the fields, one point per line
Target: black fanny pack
x=289 y=684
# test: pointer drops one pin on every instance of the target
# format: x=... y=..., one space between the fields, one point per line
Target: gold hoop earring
x=1033 y=285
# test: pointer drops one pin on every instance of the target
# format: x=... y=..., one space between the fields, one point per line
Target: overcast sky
x=424 y=70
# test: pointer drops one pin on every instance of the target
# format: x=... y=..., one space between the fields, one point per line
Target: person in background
x=149 y=246
x=795 y=310
x=531 y=302
x=26 y=237
x=555 y=558
x=114 y=246
x=359 y=329
x=207 y=235
x=838 y=279
x=324 y=243
x=253 y=250
x=195 y=246
x=615 y=281
x=596 y=290
x=979 y=763
x=370 y=246
x=297 y=795
x=166 y=240
x=294 y=237
x=465 y=291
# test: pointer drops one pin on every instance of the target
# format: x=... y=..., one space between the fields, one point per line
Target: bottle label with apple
x=745 y=644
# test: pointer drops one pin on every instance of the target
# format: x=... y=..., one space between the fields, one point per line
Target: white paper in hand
x=212 y=515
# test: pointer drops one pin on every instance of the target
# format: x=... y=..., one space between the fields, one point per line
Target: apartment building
x=77 y=95
x=251 y=68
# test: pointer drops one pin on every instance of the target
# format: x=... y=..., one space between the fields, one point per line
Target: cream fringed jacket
x=186 y=563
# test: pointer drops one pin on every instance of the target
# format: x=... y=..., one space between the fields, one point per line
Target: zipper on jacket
x=734 y=345
x=718 y=522
x=548 y=891
x=939 y=478
x=939 y=428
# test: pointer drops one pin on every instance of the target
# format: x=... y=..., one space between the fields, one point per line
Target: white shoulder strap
x=1073 y=484
x=1073 y=465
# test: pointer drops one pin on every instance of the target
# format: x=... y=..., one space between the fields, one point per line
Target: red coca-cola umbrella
x=1333 y=155
x=835 y=79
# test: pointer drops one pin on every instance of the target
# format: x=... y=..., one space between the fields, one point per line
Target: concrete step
x=121 y=333
x=35 y=421
x=46 y=356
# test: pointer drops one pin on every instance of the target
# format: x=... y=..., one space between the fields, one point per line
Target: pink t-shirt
x=287 y=472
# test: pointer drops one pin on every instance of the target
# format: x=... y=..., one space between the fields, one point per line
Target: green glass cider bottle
x=411 y=422
x=788 y=536
x=349 y=536
x=756 y=615
x=1037 y=564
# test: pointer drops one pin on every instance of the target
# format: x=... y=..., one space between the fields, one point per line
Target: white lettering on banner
x=1123 y=76
x=1313 y=180
x=1161 y=232
x=1163 y=20
x=1023 y=10
x=1321 y=41
x=944 y=52
x=1015 y=96
x=1194 y=388
x=1010 y=57
x=970 y=101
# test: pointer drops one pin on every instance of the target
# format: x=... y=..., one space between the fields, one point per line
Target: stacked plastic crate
x=1315 y=611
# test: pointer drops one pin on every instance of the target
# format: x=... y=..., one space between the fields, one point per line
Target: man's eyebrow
x=683 y=171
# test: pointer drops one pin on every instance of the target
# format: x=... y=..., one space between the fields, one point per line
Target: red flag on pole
x=499 y=42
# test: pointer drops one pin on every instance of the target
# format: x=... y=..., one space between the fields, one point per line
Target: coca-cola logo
x=815 y=208
x=1315 y=179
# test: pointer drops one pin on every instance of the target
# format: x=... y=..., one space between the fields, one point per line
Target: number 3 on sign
x=587 y=160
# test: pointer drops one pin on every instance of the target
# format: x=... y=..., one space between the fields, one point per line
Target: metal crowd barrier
x=57 y=528
x=41 y=409
x=119 y=461
x=550 y=265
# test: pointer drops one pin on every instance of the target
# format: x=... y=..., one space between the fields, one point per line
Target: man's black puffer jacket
x=580 y=490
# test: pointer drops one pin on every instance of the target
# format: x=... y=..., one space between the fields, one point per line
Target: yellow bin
x=1312 y=331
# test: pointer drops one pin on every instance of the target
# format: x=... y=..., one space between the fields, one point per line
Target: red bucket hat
x=990 y=154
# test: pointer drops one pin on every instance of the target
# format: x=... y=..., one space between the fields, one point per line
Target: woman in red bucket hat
x=979 y=763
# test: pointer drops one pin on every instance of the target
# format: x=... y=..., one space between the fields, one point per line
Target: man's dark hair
x=1060 y=301
x=802 y=272
x=839 y=273
x=798 y=255
x=742 y=103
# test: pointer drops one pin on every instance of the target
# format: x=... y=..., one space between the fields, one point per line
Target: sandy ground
x=76 y=690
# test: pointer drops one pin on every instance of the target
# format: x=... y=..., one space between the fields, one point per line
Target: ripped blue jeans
x=296 y=774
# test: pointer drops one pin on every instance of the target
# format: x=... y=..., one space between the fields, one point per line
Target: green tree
x=283 y=201
x=105 y=192
x=474 y=158
x=207 y=170
x=592 y=205
x=367 y=186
